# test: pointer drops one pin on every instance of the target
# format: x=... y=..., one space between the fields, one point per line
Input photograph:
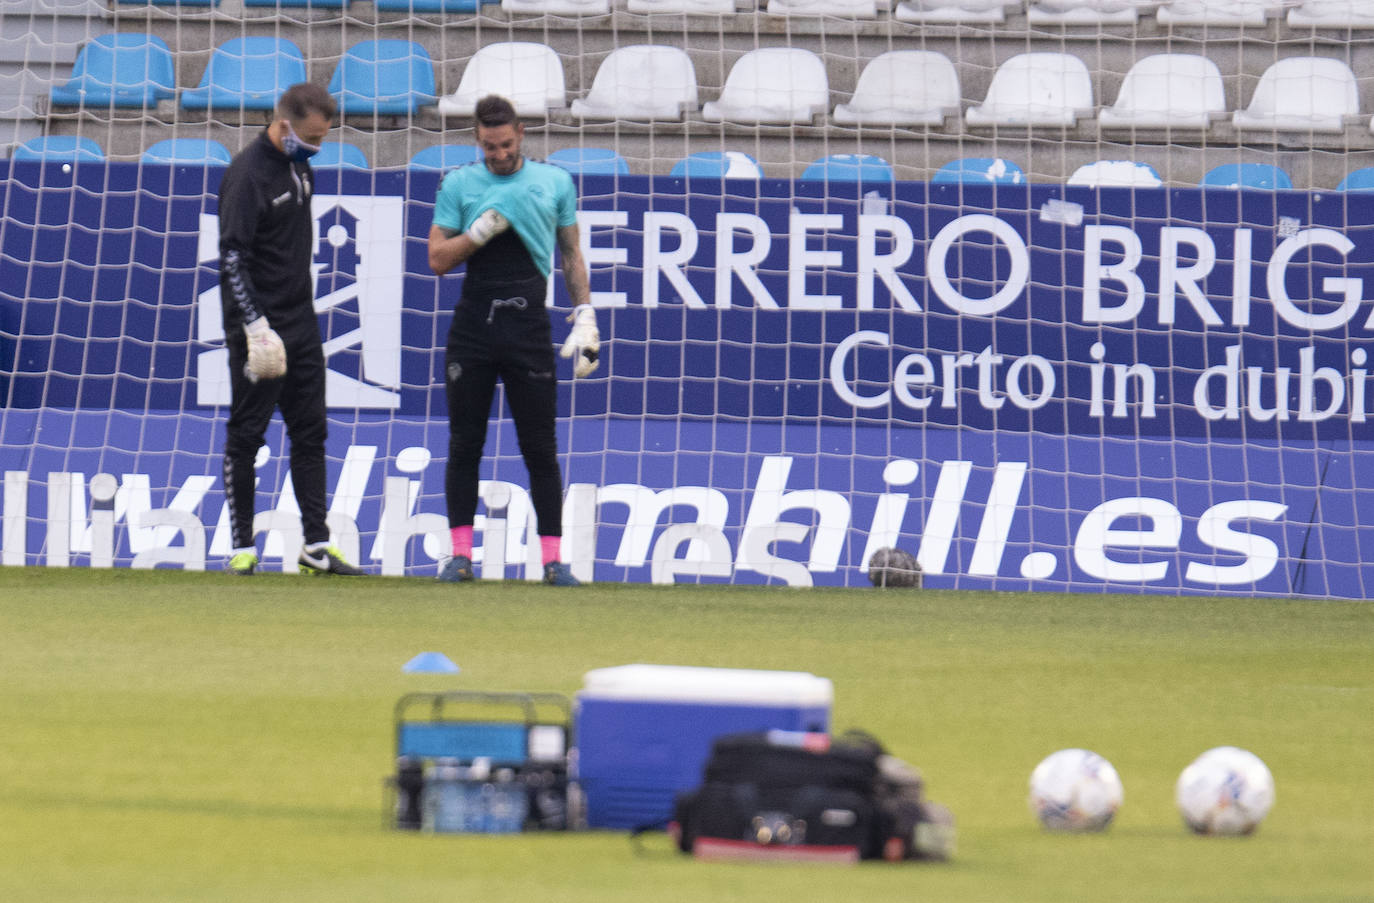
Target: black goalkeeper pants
x=300 y=397
x=509 y=339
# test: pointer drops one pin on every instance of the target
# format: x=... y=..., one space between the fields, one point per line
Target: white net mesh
x=1022 y=383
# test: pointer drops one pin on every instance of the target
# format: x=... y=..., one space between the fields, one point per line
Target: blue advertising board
x=1027 y=386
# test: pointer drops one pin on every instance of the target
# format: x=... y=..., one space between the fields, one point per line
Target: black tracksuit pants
x=300 y=396
x=509 y=338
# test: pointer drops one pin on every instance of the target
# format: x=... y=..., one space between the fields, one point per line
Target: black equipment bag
x=806 y=796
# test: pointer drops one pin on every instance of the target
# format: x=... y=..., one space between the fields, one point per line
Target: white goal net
x=1058 y=295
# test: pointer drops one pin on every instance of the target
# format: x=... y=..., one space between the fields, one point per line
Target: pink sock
x=549 y=546
x=462 y=540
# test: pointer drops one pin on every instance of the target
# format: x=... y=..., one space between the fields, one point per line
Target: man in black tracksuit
x=276 y=359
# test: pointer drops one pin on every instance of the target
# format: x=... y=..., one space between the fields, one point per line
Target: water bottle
x=473 y=815
x=506 y=804
x=443 y=801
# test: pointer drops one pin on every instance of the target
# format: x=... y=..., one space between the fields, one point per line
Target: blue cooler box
x=644 y=732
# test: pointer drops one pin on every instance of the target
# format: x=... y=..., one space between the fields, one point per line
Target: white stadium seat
x=1304 y=94
x=558 y=7
x=903 y=87
x=1036 y=89
x=852 y=9
x=1116 y=173
x=1216 y=12
x=936 y=12
x=529 y=75
x=784 y=85
x=1332 y=14
x=1087 y=12
x=1167 y=90
x=690 y=7
x=642 y=82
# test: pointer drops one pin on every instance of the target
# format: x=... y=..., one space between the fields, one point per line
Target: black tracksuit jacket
x=265 y=240
x=266 y=245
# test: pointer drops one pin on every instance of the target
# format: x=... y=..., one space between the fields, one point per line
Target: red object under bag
x=805 y=797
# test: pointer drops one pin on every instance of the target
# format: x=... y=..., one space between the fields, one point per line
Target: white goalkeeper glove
x=486 y=227
x=266 y=354
x=584 y=342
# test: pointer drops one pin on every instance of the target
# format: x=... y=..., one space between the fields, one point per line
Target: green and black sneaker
x=243 y=564
x=327 y=560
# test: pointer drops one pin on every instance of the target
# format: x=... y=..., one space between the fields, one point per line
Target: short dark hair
x=299 y=101
x=494 y=110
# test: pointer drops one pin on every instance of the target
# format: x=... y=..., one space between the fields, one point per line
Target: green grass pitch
x=180 y=736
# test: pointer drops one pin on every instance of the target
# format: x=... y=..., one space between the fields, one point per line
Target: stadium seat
x=849 y=9
x=592 y=161
x=1036 y=89
x=772 y=85
x=247 y=73
x=1216 y=12
x=1358 y=180
x=1304 y=93
x=119 y=70
x=59 y=149
x=848 y=168
x=529 y=75
x=1332 y=14
x=339 y=155
x=445 y=156
x=1167 y=90
x=432 y=6
x=643 y=82
x=1116 y=173
x=717 y=165
x=1085 y=12
x=387 y=77
x=903 y=87
x=319 y=4
x=937 y=12
x=558 y=7
x=691 y=7
x=169 y=2
x=984 y=170
x=1247 y=175
x=200 y=151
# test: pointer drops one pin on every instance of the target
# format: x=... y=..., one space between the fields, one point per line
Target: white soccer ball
x=1075 y=790
x=1225 y=791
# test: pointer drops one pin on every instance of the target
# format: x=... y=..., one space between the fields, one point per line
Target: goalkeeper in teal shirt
x=501 y=216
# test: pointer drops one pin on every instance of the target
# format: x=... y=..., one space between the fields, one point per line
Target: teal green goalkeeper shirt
x=537 y=198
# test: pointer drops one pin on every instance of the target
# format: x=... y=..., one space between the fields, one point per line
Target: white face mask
x=296 y=148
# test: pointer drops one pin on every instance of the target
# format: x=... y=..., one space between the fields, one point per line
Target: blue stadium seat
x=445 y=156
x=387 y=77
x=849 y=168
x=59 y=148
x=119 y=70
x=980 y=170
x=717 y=165
x=592 y=161
x=1358 y=180
x=188 y=150
x=247 y=73
x=339 y=155
x=1247 y=175
x=432 y=6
